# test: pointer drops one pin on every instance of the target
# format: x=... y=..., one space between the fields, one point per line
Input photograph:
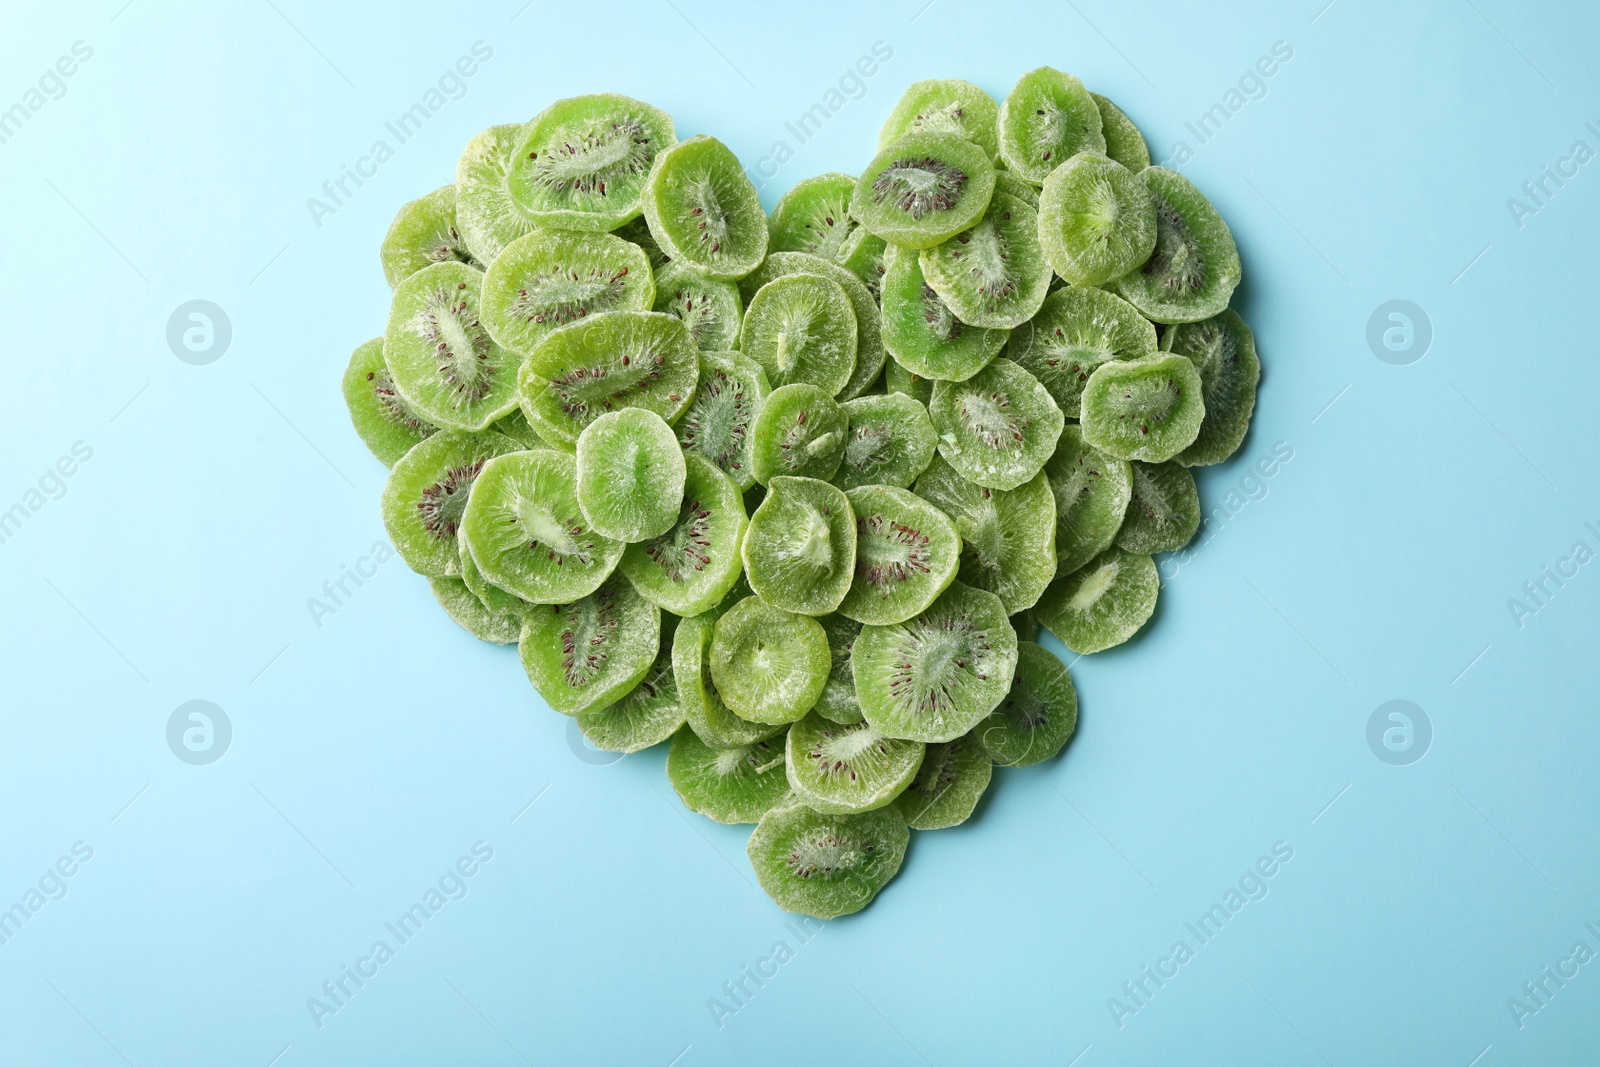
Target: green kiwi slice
x=720 y=424
x=708 y=716
x=1048 y=118
x=814 y=217
x=1096 y=221
x=992 y=275
x=801 y=328
x=1075 y=331
x=1149 y=408
x=730 y=784
x=1164 y=512
x=386 y=424
x=901 y=381
x=473 y=615
x=637 y=230
x=769 y=665
x=485 y=213
x=948 y=785
x=944 y=105
x=800 y=431
x=1037 y=717
x=1011 y=185
x=838 y=700
x=528 y=535
x=1124 y=142
x=998 y=427
x=444 y=362
x=514 y=424
x=426 y=496
x=932 y=677
x=711 y=309
x=423 y=233
x=631 y=475
x=1103 y=603
x=921 y=332
x=593 y=651
x=1008 y=536
x=891 y=441
x=1092 y=491
x=692 y=566
x=547 y=279
x=582 y=163
x=863 y=302
x=617 y=359
x=924 y=188
x=1026 y=623
x=1194 y=268
x=906 y=554
x=826 y=866
x=1223 y=349
x=703 y=211
x=497 y=600
x=842 y=769
x=800 y=550
x=647 y=715
x=862 y=255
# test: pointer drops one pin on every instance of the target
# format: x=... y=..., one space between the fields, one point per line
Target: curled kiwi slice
x=711 y=309
x=444 y=362
x=1092 y=491
x=838 y=700
x=1124 y=142
x=769 y=665
x=800 y=550
x=948 y=785
x=473 y=615
x=692 y=566
x=801 y=328
x=630 y=475
x=862 y=255
x=921 y=332
x=527 y=533
x=485 y=213
x=1148 y=409
x=618 y=359
x=998 y=427
x=863 y=302
x=593 y=651
x=891 y=441
x=1008 y=536
x=582 y=163
x=1097 y=221
x=423 y=233
x=708 y=716
x=1037 y=717
x=924 y=188
x=647 y=715
x=547 y=279
x=1164 y=512
x=1223 y=349
x=386 y=424
x=826 y=865
x=703 y=211
x=1075 y=331
x=814 y=217
x=720 y=424
x=800 y=431
x=932 y=677
x=1011 y=185
x=1048 y=118
x=944 y=105
x=730 y=784
x=906 y=554
x=1194 y=268
x=994 y=274
x=1103 y=603
x=426 y=496
x=840 y=769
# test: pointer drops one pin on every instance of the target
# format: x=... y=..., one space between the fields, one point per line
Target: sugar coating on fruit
x=843 y=768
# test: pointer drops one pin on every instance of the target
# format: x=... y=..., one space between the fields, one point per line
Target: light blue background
x=372 y=751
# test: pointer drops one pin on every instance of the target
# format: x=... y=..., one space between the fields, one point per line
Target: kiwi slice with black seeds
x=582 y=163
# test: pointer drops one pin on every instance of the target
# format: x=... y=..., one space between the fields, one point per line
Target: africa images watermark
x=739 y=991
x=51 y=85
x=1251 y=86
x=1539 y=991
x=1538 y=192
x=52 y=485
x=1540 y=590
x=337 y=592
x=1247 y=489
x=52 y=885
x=852 y=85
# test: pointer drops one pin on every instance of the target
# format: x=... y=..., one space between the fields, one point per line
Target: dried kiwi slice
x=906 y=554
x=800 y=550
x=1008 y=536
x=1097 y=221
x=1074 y=332
x=948 y=785
x=899 y=380
x=1223 y=349
x=527 y=534
x=444 y=362
x=1164 y=512
x=1103 y=603
x=619 y=359
x=923 y=189
x=862 y=255
x=514 y=424
x=1037 y=717
x=1194 y=268
x=863 y=302
x=769 y=665
x=708 y=716
x=826 y=865
x=1148 y=409
x=801 y=328
x=998 y=427
x=1092 y=491
x=993 y=274
x=703 y=211
x=944 y=105
x=1124 y=142
x=891 y=441
x=814 y=217
x=838 y=700
x=728 y=784
x=427 y=493
x=592 y=652
x=582 y=163
x=494 y=598
x=711 y=309
x=485 y=213
x=800 y=431
x=933 y=677
x=842 y=769
x=693 y=565
x=548 y=278
x=719 y=425
x=1026 y=624
x=630 y=475
x=647 y=715
x=473 y=615
x=386 y=424
x=1048 y=118
x=921 y=332
x=637 y=230
x=1011 y=185
x=423 y=233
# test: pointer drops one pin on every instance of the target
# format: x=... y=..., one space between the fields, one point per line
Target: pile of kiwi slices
x=793 y=493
